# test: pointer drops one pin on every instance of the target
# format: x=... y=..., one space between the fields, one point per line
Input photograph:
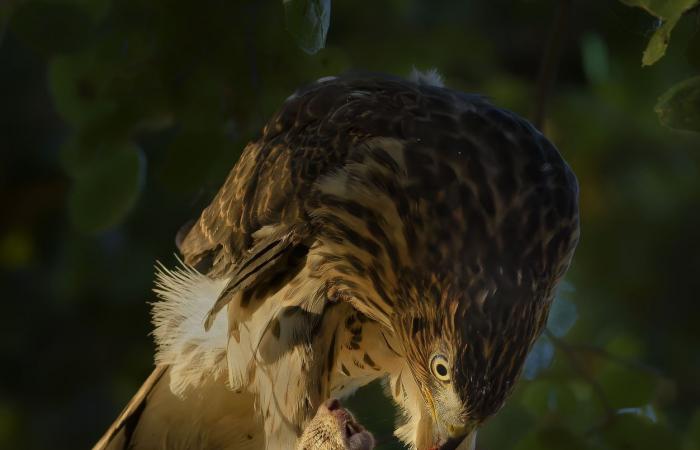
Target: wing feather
x=263 y=259
x=313 y=134
x=118 y=435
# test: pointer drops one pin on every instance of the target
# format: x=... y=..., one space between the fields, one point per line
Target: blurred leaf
x=539 y=358
x=50 y=26
x=625 y=387
x=669 y=12
x=105 y=191
x=594 y=53
x=308 y=22
x=636 y=432
x=77 y=155
x=679 y=107
x=536 y=397
x=584 y=410
x=625 y=346
x=77 y=84
x=93 y=142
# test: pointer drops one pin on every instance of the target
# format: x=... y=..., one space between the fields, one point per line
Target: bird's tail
x=210 y=416
x=119 y=435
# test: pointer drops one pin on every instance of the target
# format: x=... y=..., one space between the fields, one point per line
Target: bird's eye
x=440 y=368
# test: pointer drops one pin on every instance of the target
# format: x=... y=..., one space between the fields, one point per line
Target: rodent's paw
x=354 y=434
x=335 y=428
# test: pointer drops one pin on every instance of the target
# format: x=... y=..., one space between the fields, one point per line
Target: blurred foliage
x=679 y=107
x=120 y=119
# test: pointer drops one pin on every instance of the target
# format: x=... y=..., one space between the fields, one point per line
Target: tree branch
x=602 y=353
x=550 y=61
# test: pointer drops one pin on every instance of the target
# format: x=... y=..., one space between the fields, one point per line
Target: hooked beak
x=454 y=437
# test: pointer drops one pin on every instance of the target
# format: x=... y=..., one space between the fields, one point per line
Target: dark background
x=119 y=119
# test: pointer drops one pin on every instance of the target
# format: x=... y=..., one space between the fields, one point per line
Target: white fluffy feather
x=185 y=298
x=429 y=77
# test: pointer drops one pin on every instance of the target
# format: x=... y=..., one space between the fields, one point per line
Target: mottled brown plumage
x=378 y=224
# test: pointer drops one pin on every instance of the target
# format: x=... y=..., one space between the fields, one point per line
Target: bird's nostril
x=332 y=404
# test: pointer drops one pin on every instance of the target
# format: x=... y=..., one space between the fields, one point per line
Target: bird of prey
x=378 y=228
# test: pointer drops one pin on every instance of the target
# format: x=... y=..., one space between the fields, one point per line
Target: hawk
x=378 y=228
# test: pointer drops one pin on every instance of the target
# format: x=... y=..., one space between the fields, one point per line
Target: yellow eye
x=440 y=367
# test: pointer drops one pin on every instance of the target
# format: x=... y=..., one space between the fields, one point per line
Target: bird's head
x=441 y=413
x=454 y=239
x=465 y=346
x=477 y=290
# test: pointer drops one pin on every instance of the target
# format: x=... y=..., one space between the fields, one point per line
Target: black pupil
x=441 y=370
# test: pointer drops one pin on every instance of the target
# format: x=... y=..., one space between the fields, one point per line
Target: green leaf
x=679 y=107
x=669 y=12
x=625 y=346
x=77 y=83
x=92 y=142
x=308 y=22
x=106 y=190
x=656 y=48
x=77 y=155
x=535 y=397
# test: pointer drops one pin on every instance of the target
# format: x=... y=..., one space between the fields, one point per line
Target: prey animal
x=378 y=228
x=334 y=428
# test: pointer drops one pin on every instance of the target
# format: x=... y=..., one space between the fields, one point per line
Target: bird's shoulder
x=312 y=134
